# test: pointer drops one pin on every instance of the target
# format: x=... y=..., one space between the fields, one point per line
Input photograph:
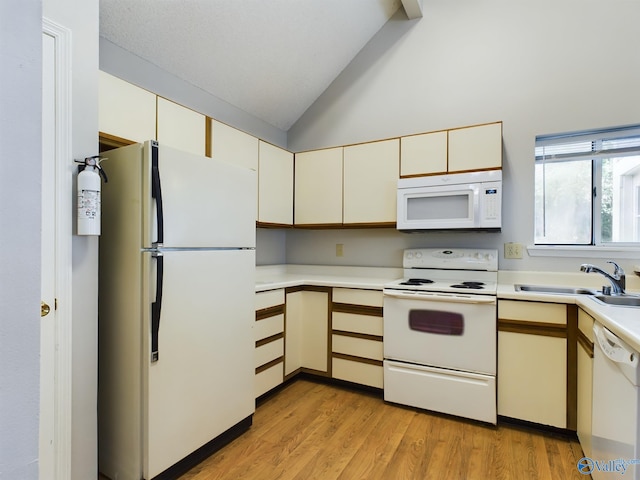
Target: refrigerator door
x=191 y=201
x=202 y=381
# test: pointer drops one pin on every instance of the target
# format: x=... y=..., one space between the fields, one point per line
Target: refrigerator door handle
x=156 y=307
x=156 y=192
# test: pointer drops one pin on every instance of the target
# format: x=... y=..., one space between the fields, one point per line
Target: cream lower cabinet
x=307 y=331
x=356 y=336
x=370 y=182
x=585 y=380
x=318 y=187
x=532 y=362
x=125 y=111
x=268 y=333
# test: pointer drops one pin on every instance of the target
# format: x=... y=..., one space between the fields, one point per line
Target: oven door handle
x=429 y=297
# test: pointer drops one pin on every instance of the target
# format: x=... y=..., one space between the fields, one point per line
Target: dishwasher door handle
x=614 y=348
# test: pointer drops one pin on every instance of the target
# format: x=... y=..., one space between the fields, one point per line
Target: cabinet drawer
x=268 y=326
x=532 y=311
x=270 y=298
x=372 y=298
x=350 y=322
x=356 y=372
x=268 y=379
x=268 y=352
x=359 y=347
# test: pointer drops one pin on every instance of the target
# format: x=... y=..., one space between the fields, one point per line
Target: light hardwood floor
x=312 y=430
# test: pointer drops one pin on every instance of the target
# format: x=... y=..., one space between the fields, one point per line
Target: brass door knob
x=44 y=309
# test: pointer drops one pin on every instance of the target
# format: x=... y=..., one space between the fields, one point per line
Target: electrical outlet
x=513 y=250
x=339 y=249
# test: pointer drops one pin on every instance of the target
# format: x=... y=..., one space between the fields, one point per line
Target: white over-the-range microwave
x=470 y=201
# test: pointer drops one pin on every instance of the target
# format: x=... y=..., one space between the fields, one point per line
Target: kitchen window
x=587 y=188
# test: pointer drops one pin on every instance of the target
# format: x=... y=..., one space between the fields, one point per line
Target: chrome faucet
x=617 y=279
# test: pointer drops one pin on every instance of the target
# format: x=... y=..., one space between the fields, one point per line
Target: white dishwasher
x=615 y=409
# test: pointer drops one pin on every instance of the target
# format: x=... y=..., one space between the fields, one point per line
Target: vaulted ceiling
x=270 y=58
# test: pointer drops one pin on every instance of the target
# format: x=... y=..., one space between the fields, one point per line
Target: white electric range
x=440 y=332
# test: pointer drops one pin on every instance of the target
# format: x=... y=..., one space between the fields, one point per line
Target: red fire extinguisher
x=89 y=183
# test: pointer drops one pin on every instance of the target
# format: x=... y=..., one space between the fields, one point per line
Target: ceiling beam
x=413 y=8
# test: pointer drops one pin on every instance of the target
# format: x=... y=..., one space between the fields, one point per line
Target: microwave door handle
x=441 y=298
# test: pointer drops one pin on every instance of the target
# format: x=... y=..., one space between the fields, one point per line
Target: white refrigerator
x=176 y=310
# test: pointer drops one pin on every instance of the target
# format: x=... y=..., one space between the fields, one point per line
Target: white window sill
x=583 y=252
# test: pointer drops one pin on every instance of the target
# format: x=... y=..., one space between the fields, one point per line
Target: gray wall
x=20 y=153
x=540 y=67
x=81 y=17
x=20 y=148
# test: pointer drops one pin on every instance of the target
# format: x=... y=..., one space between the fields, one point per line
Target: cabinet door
x=423 y=154
x=532 y=381
x=125 y=111
x=475 y=148
x=532 y=362
x=585 y=380
x=275 y=185
x=315 y=331
x=180 y=127
x=318 y=187
x=293 y=333
x=371 y=182
x=234 y=146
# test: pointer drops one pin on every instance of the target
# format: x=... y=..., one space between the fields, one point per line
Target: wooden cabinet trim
x=585 y=343
x=532 y=328
x=357 y=309
x=270 y=339
x=269 y=312
x=353 y=358
x=270 y=364
x=364 y=336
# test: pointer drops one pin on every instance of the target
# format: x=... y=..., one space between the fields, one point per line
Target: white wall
x=81 y=17
x=540 y=67
x=20 y=148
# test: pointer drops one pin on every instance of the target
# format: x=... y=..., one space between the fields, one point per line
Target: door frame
x=63 y=184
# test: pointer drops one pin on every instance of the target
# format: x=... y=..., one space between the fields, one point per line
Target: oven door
x=451 y=331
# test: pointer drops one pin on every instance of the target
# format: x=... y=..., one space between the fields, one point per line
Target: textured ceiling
x=270 y=58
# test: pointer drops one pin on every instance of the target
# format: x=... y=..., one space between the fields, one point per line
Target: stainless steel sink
x=556 y=290
x=618 y=300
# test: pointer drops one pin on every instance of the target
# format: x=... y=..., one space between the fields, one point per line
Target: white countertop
x=623 y=321
x=282 y=276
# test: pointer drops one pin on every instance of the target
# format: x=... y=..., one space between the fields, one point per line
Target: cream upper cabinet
x=234 y=146
x=532 y=362
x=475 y=148
x=318 y=187
x=423 y=154
x=370 y=182
x=275 y=185
x=180 y=127
x=124 y=110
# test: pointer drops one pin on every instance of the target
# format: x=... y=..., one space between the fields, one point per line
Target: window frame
x=560 y=150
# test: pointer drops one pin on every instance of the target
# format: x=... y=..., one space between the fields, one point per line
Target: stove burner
x=416 y=281
x=469 y=285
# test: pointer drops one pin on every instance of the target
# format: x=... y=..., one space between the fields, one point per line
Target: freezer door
x=193 y=201
x=202 y=381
